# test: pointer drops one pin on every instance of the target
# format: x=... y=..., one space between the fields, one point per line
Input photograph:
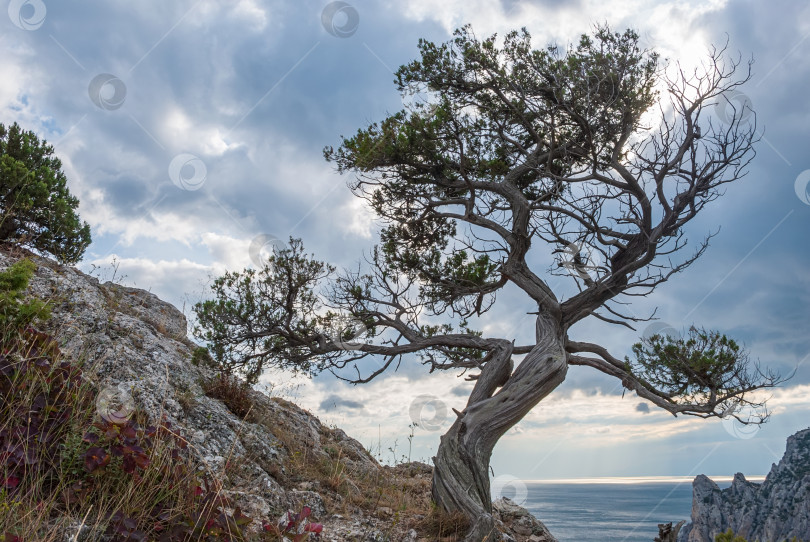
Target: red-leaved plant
x=293 y=526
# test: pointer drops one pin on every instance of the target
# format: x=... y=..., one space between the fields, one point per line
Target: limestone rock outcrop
x=518 y=520
x=777 y=509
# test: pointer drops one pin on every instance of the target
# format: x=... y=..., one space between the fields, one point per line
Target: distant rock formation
x=776 y=510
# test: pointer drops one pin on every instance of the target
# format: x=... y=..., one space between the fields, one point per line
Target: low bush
x=16 y=312
x=729 y=536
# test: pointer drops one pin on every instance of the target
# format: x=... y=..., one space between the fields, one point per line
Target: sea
x=611 y=509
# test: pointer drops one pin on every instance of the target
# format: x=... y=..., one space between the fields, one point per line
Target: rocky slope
x=777 y=509
x=278 y=457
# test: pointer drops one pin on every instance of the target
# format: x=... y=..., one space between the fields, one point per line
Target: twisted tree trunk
x=461 y=472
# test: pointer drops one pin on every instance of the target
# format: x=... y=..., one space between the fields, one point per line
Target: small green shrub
x=729 y=536
x=17 y=312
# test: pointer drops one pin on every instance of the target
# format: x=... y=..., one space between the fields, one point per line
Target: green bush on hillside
x=17 y=313
x=729 y=536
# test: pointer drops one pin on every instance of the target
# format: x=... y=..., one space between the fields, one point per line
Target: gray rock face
x=519 y=521
x=776 y=510
x=136 y=344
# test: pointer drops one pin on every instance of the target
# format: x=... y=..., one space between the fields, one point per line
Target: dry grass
x=441 y=525
x=233 y=392
x=348 y=486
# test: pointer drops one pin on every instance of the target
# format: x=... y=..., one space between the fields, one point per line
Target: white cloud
x=252 y=13
x=178 y=282
x=248 y=14
x=166 y=226
x=187 y=135
x=356 y=218
x=227 y=252
x=21 y=84
x=666 y=25
x=13 y=83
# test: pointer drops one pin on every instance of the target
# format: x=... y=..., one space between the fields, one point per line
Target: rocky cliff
x=777 y=509
x=271 y=458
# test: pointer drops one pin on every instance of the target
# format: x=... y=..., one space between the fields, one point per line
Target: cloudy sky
x=188 y=129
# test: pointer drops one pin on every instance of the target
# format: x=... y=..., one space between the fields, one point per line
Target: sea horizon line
x=640 y=479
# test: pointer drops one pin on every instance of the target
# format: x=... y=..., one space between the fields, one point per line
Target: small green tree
x=283 y=298
x=36 y=207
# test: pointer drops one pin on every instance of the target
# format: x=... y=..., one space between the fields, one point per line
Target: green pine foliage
x=36 y=208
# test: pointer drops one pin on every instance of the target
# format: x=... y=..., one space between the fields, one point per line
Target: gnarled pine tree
x=520 y=154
